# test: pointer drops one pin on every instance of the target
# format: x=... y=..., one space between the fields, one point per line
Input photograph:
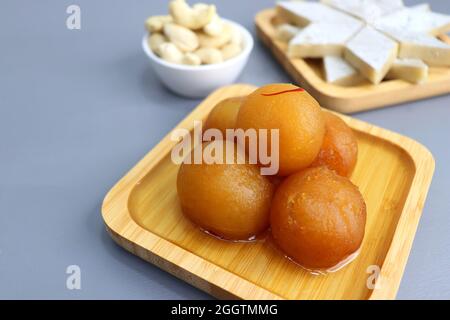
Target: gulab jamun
x=318 y=218
x=297 y=116
x=224 y=115
x=229 y=200
x=339 y=151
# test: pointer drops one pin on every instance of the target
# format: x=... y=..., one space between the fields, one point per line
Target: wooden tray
x=142 y=214
x=308 y=74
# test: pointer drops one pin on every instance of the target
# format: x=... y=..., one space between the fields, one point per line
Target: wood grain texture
x=143 y=215
x=308 y=73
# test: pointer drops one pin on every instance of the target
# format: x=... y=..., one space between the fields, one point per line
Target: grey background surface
x=79 y=108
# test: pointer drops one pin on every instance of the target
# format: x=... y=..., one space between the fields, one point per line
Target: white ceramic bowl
x=200 y=81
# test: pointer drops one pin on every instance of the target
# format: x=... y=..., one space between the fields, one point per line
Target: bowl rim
x=247 y=38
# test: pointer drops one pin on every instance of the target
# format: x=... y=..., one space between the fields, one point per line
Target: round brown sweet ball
x=231 y=201
x=275 y=180
x=224 y=115
x=318 y=218
x=339 y=151
x=296 y=115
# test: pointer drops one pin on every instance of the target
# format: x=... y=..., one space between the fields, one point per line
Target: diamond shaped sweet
x=368 y=34
x=367 y=10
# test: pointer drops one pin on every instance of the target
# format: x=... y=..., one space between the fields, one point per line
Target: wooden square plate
x=142 y=214
x=308 y=74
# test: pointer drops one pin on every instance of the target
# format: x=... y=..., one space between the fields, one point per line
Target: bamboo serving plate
x=143 y=215
x=308 y=73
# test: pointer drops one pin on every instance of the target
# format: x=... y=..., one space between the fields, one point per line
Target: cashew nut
x=231 y=50
x=193 y=35
x=207 y=41
x=200 y=6
x=191 y=59
x=286 y=32
x=192 y=18
x=185 y=39
x=156 y=23
x=215 y=27
x=155 y=40
x=210 y=55
x=236 y=36
x=170 y=52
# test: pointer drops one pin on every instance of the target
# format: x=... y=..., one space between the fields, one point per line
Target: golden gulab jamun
x=224 y=115
x=339 y=151
x=318 y=218
x=297 y=116
x=229 y=200
x=276 y=180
